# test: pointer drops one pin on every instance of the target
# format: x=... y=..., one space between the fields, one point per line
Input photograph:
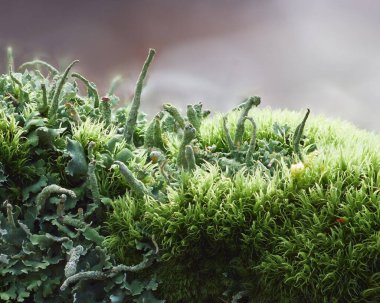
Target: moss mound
x=289 y=230
x=254 y=206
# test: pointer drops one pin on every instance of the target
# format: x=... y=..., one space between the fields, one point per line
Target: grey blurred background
x=322 y=54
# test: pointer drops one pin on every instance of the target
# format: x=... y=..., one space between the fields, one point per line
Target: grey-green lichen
x=51 y=190
x=55 y=100
x=90 y=87
x=71 y=265
x=93 y=182
x=174 y=112
x=37 y=63
x=298 y=134
x=130 y=125
x=189 y=134
x=136 y=186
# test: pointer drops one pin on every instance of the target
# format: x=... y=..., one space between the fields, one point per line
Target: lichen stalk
x=44 y=105
x=130 y=125
x=193 y=117
x=230 y=143
x=252 y=101
x=105 y=111
x=50 y=190
x=298 y=134
x=55 y=100
x=90 y=88
x=188 y=135
x=190 y=158
x=173 y=111
x=87 y=275
x=93 y=182
x=90 y=150
x=252 y=143
x=10 y=63
x=71 y=265
x=136 y=185
x=10 y=218
x=153 y=134
x=37 y=62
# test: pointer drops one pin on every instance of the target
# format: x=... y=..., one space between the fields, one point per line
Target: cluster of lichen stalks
x=46 y=234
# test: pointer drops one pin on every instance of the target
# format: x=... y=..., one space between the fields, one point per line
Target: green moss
x=252 y=206
x=285 y=235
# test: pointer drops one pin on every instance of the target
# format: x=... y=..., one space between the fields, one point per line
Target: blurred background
x=296 y=54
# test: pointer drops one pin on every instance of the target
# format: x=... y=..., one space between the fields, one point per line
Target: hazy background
x=295 y=54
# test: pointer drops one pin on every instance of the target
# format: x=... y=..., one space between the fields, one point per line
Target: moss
x=251 y=206
x=307 y=231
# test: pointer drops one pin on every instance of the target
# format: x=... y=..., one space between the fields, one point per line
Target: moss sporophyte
x=101 y=204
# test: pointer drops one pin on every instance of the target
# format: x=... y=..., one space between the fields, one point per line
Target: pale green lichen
x=93 y=182
x=36 y=63
x=298 y=134
x=174 y=112
x=246 y=107
x=49 y=190
x=71 y=265
x=189 y=134
x=136 y=185
x=90 y=87
x=55 y=100
x=130 y=125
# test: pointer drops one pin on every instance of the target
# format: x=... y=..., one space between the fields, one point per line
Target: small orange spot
x=341 y=220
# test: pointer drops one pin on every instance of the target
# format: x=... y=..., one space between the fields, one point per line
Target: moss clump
x=253 y=206
x=276 y=229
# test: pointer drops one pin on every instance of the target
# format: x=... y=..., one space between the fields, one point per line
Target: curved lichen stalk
x=82 y=276
x=298 y=134
x=174 y=112
x=71 y=265
x=136 y=186
x=99 y=275
x=50 y=190
x=55 y=100
x=90 y=88
x=37 y=62
x=77 y=223
x=15 y=80
x=246 y=107
x=130 y=125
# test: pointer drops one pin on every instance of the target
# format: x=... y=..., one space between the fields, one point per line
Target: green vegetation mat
x=102 y=204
